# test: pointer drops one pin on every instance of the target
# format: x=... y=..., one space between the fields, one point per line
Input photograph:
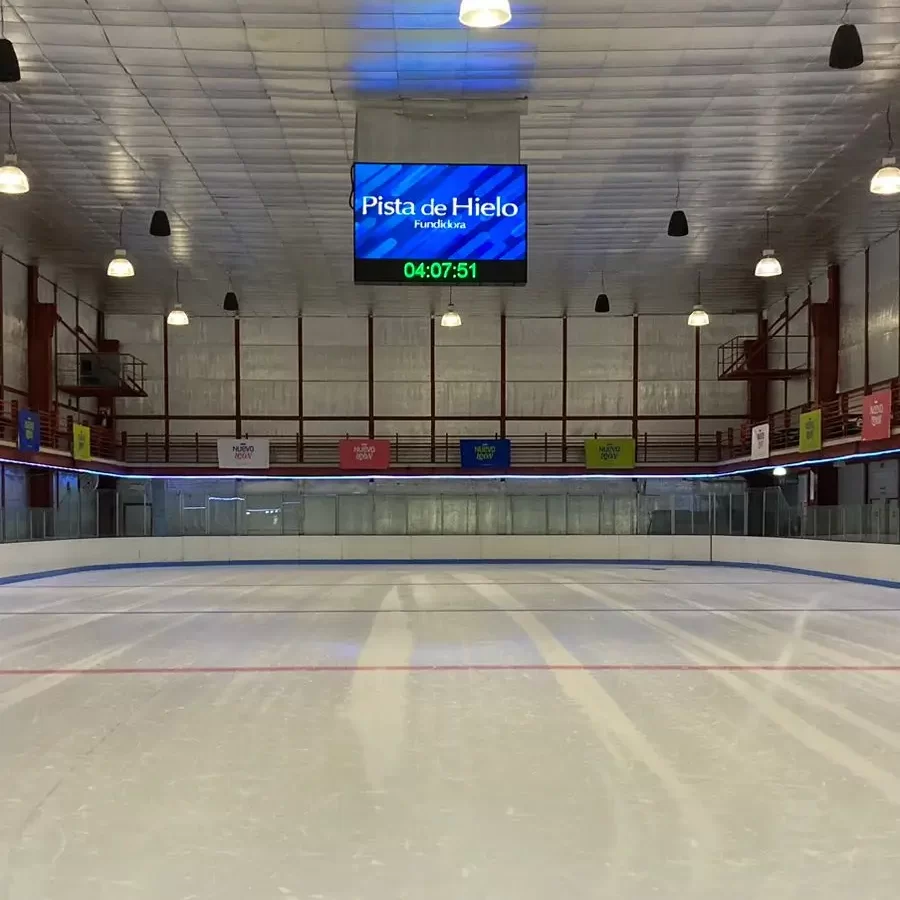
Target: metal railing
x=416 y=450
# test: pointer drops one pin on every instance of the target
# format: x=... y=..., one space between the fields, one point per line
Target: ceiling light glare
x=178 y=317
x=451 y=318
x=886 y=181
x=12 y=179
x=120 y=265
x=768 y=265
x=779 y=471
x=484 y=13
x=698 y=317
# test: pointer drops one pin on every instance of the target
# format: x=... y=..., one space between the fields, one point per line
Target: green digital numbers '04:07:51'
x=440 y=271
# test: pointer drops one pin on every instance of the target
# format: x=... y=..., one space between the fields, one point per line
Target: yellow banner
x=609 y=453
x=81 y=442
x=811 y=430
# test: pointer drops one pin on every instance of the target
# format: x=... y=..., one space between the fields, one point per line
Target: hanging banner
x=29 y=431
x=365 y=453
x=247 y=453
x=759 y=442
x=81 y=443
x=609 y=453
x=876 y=423
x=491 y=454
x=811 y=430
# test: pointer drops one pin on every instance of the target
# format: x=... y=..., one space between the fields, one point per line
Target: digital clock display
x=440 y=224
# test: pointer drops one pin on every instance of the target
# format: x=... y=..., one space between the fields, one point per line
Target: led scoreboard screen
x=440 y=224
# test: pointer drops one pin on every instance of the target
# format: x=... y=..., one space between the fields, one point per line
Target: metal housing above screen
x=440 y=224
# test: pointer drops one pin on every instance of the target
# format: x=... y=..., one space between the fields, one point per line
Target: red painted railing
x=841 y=420
x=56 y=431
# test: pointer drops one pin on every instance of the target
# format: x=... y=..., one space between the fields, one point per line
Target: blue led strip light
x=708 y=476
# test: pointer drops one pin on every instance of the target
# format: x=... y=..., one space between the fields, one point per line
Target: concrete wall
x=849 y=559
x=312 y=375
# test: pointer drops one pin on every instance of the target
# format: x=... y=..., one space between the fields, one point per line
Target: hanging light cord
x=677 y=192
x=890 y=132
x=767 y=229
x=12 y=143
x=2 y=19
x=121 y=221
x=846 y=10
x=699 y=297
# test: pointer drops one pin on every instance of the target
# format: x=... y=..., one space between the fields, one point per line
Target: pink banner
x=365 y=453
x=877 y=416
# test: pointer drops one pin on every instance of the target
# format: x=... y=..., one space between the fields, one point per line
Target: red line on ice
x=485 y=667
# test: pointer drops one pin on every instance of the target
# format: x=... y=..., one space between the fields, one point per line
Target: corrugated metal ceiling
x=244 y=111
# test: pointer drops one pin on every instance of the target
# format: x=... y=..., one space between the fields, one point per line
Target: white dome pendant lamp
x=177 y=315
x=484 y=13
x=768 y=265
x=886 y=181
x=699 y=317
x=12 y=179
x=120 y=265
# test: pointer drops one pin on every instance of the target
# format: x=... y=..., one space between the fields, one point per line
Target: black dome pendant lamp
x=9 y=62
x=159 y=221
x=678 y=223
x=846 y=46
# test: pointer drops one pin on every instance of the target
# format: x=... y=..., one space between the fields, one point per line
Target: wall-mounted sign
x=492 y=454
x=81 y=443
x=365 y=453
x=29 y=431
x=811 y=430
x=609 y=453
x=876 y=423
x=247 y=453
x=440 y=224
x=759 y=442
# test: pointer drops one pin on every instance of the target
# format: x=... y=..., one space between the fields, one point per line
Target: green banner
x=609 y=453
x=811 y=430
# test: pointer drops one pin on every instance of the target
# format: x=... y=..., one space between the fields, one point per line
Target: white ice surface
x=548 y=782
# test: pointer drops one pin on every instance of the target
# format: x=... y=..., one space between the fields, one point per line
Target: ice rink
x=532 y=732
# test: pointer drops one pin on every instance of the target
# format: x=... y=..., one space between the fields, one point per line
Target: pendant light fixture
x=678 y=223
x=120 y=265
x=484 y=13
x=779 y=471
x=886 y=181
x=12 y=179
x=451 y=318
x=601 y=304
x=9 y=62
x=177 y=316
x=231 y=303
x=768 y=265
x=846 y=46
x=699 y=317
x=159 y=221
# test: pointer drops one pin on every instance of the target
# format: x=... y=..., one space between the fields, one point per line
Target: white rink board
x=857 y=560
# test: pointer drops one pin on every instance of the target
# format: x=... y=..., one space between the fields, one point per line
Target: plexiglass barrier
x=158 y=513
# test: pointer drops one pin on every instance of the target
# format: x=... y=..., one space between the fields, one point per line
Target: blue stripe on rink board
x=815 y=573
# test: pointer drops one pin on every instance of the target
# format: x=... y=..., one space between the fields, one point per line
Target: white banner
x=249 y=453
x=759 y=442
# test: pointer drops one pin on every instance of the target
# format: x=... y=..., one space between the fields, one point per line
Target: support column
x=826 y=321
x=41 y=325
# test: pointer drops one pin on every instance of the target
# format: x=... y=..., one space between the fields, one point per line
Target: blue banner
x=29 y=431
x=440 y=212
x=475 y=454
